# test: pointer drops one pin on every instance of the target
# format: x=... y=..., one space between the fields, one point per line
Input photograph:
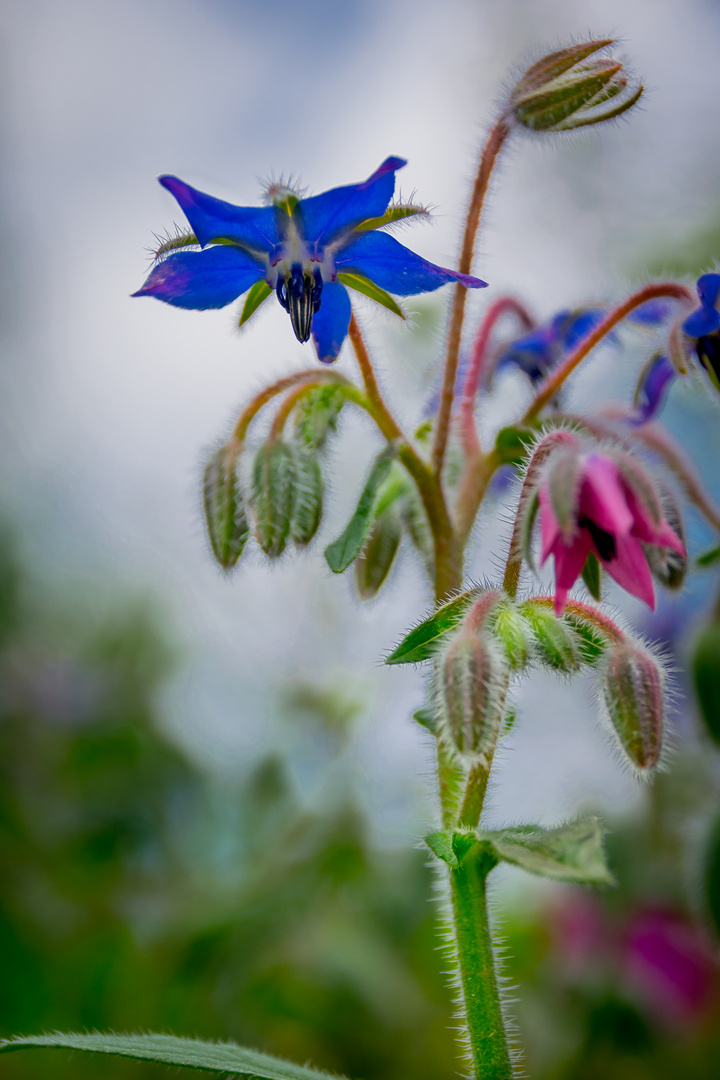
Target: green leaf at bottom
x=171 y=1050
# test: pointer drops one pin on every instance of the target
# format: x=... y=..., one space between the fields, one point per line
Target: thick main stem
x=495 y=140
x=481 y=996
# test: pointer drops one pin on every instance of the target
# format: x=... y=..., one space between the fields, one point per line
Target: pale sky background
x=109 y=405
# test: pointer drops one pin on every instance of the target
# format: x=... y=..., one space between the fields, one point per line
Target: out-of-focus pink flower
x=611 y=512
x=668 y=966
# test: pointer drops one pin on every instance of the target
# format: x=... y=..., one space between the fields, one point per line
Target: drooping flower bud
x=472 y=682
x=634 y=693
x=667 y=565
x=273 y=496
x=308 y=504
x=572 y=88
x=373 y=564
x=223 y=502
x=556 y=644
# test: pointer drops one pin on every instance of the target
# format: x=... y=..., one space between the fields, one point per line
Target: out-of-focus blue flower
x=305 y=250
x=703 y=325
x=651 y=388
x=539 y=351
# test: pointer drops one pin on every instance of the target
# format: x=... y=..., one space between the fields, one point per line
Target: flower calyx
x=572 y=88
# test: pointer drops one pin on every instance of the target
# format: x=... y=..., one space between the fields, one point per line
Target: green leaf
x=426 y=718
x=592 y=575
x=170 y=1050
x=391 y=215
x=440 y=843
x=511 y=444
x=572 y=852
x=347 y=547
x=709 y=557
x=175 y=243
x=451 y=847
x=364 y=285
x=422 y=642
x=257 y=295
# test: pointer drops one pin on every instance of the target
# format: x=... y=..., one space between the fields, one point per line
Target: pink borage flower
x=607 y=506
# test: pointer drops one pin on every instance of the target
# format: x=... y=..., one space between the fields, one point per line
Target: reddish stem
x=493 y=145
x=552 y=384
x=477 y=370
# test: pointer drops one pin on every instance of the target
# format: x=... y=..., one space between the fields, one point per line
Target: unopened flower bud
x=706 y=671
x=472 y=687
x=373 y=564
x=273 y=496
x=512 y=633
x=556 y=643
x=572 y=88
x=667 y=565
x=308 y=505
x=317 y=415
x=634 y=693
x=225 y=517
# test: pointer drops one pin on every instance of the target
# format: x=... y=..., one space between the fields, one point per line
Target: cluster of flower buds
x=599 y=510
x=493 y=638
x=285 y=498
x=572 y=88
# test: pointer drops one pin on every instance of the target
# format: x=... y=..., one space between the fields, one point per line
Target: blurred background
x=212 y=791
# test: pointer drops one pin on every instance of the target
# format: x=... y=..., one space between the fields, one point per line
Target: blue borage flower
x=305 y=250
x=703 y=325
x=537 y=352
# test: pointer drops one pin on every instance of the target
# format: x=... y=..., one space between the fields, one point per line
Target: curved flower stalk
x=307 y=251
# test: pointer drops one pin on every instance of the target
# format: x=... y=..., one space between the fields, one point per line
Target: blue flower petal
x=704 y=320
x=397 y=269
x=576 y=325
x=324 y=216
x=708 y=287
x=651 y=313
x=202 y=279
x=533 y=353
x=651 y=391
x=253 y=227
x=330 y=323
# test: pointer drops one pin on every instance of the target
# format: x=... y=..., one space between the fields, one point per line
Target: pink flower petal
x=630 y=569
x=569 y=562
x=602 y=497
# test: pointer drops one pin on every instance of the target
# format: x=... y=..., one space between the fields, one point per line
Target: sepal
x=424 y=640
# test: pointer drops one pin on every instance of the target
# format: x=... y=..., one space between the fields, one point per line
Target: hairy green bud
x=273 y=496
x=309 y=490
x=317 y=416
x=556 y=643
x=472 y=682
x=512 y=632
x=634 y=693
x=373 y=564
x=223 y=502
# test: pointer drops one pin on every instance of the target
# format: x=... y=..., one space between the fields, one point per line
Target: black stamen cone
x=603 y=540
x=708 y=350
x=301 y=301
